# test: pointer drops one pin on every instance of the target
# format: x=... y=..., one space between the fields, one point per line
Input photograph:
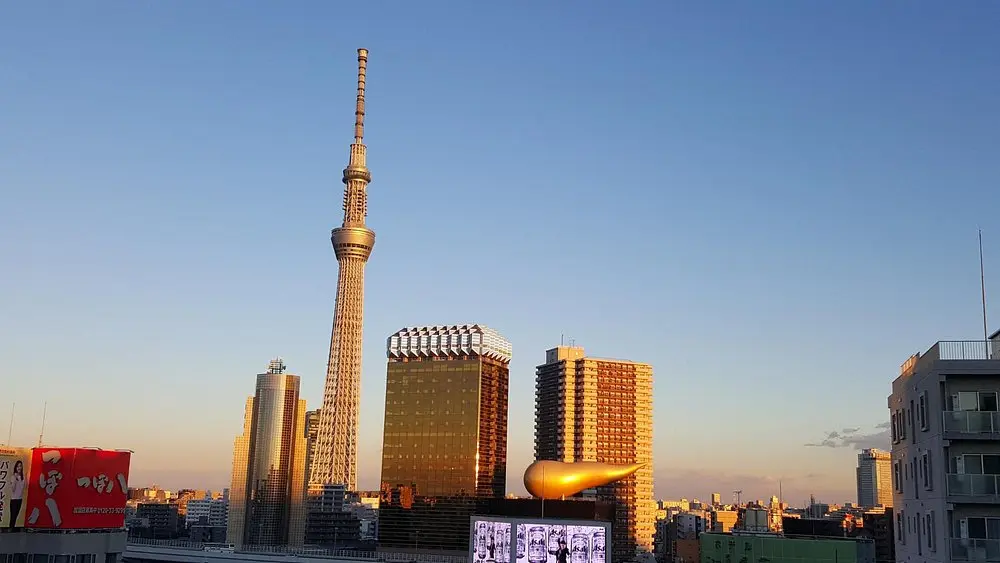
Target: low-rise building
x=209 y=512
x=161 y=521
x=722 y=548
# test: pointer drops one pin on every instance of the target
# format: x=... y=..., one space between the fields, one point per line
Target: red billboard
x=77 y=488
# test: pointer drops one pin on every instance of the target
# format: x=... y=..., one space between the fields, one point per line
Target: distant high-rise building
x=945 y=434
x=312 y=432
x=445 y=439
x=335 y=460
x=594 y=409
x=267 y=497
x=716 y=499
x=874 y=476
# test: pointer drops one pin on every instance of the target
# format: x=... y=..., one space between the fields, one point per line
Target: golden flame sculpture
x=557 y=479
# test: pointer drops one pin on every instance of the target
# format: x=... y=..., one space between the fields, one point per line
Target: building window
x=897 y=476
x=901 y=521
x=922 y=412
x=975 y=464
x=899 y=424
x=931 y=531
x=926 y=470
x=985 y=401
x=977 y=528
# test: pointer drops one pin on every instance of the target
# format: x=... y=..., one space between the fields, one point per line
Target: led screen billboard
x=15 y=469
x=490 y=541
x=77 y=488
x=516 y=540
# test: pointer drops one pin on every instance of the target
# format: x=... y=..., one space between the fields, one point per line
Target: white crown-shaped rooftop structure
x=449 y=341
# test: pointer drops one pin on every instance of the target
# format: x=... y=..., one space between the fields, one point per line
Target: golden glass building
x=267 y=497
x=595 y=409
x=445 y=436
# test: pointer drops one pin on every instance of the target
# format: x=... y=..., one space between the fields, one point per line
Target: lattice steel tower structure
x=335 y=458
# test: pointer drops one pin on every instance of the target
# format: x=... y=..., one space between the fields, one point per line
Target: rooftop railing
x=385 y=556
x=964 y=350
x=971 y=422
x=963 y=549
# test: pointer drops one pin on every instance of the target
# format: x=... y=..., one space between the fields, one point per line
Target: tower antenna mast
x=10 y=429
x=982 y=285
x=41 y=433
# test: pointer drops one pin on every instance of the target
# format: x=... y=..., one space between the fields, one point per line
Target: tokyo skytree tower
x=336 y=453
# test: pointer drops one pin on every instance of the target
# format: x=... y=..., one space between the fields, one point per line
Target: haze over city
x=770 y=206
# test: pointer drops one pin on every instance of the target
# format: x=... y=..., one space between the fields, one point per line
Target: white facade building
x=215 y=511
x=443 y=340
x=945 y=432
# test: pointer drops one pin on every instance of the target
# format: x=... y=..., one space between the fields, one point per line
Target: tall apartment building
x=267 y=497
x=945 y=432
x=874 y=475
x=594 y=409
x=444 y=445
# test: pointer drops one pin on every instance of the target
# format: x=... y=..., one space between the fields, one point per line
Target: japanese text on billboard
x=78 y=488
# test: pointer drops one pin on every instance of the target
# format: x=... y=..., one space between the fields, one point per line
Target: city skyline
x=769 y=222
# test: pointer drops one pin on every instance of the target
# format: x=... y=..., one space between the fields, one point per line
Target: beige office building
x=595 y=409
x=267 y=498
x=874 y=476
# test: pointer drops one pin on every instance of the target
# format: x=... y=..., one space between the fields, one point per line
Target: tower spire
x=357 y=175
x=359 y=111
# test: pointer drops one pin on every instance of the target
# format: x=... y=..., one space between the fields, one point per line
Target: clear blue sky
x=773 y=203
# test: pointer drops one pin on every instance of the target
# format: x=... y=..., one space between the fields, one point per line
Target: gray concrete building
x=98 y=546
x=945 y=434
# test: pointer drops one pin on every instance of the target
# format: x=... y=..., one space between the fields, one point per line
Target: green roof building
x=768 y=548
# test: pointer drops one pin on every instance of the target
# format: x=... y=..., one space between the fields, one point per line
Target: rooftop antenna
x=41 y=433
x=10 y=429
x=562 y=339
x=982 y=284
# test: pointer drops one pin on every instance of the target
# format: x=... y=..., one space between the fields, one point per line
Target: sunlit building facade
x=874 y=476
x=267 y=497
x=445 y=435
x=595 y=409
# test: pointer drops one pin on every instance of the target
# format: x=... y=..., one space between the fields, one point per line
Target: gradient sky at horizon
x=774 y=203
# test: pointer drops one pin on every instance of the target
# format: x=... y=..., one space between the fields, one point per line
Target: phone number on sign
x=95 y=510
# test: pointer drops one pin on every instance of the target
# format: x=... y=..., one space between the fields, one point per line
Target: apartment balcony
x=971 y=425
x=975 y=550
x=973 y=489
